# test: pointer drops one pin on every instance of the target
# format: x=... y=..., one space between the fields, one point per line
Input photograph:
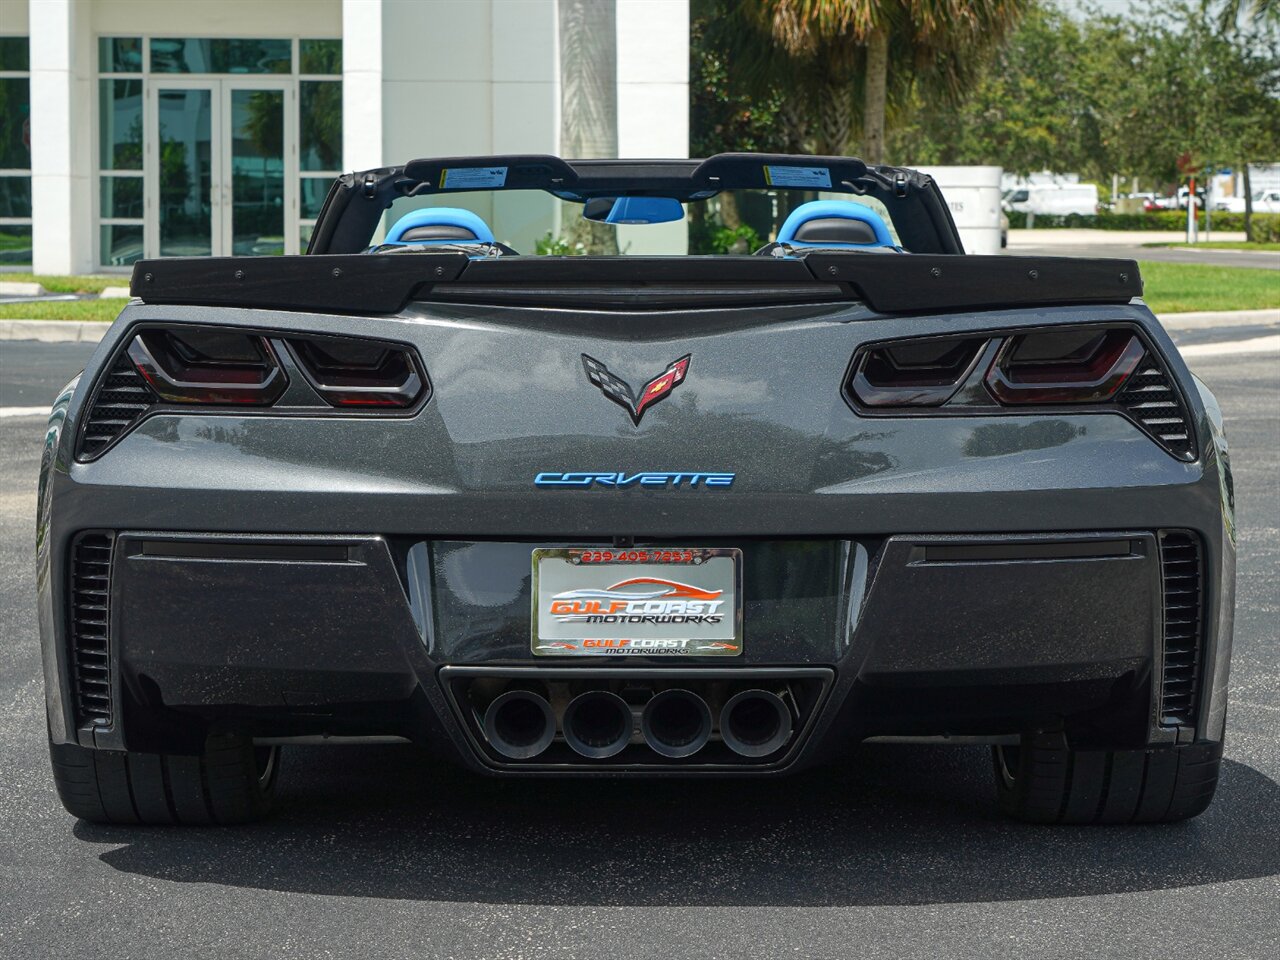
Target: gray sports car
x=636 y=514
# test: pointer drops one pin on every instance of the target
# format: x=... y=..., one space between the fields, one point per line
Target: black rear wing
x=386 y=284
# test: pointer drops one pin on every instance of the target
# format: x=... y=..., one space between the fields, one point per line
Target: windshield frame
x=356 y=202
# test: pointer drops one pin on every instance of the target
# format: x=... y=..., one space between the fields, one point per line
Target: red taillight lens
x=210 y=366
x=914 y=373
x=1071 y=366
x=360 y=373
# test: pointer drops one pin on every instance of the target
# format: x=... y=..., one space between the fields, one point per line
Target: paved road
x=1222 y=258
x=377 y=852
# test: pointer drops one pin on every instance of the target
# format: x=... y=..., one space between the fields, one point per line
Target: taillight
x=1095 y=367
x=200 y=365
x=1069 y=366
x=164 y=366
x=914 y=373
x=360 y=373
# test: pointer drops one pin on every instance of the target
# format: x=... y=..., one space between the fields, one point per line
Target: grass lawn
x=104 y=310
x=1187 y=287
x=1220 y=245
x=72 y=284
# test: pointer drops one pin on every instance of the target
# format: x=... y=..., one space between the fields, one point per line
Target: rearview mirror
x=633 y=210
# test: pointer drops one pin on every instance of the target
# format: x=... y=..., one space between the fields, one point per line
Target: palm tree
x=1255 y=11
x=885 y=47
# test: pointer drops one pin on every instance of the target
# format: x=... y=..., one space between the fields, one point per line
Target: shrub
x=1264 y=224
x=1266 y=227
x=709 y=238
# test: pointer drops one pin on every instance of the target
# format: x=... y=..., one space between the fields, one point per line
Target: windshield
x=534 y=222
x=732 y=203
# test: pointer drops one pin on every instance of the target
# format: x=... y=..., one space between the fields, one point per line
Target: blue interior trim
x=843 y=209
x=443 y=216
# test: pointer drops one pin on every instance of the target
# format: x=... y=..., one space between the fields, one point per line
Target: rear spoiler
x=888 y=283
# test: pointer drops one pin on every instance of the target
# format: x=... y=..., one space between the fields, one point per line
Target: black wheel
x=231 y=782
x=1042 y=781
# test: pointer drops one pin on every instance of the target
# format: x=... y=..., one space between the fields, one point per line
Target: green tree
x=887 y=50
x=1028 y=109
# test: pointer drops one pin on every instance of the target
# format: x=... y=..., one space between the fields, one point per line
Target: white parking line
x=24 y=411
x=1252 y=345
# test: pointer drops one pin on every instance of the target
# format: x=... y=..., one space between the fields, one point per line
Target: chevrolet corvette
x=640 y=512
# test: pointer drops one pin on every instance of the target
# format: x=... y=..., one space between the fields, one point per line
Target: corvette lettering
x=588 y=478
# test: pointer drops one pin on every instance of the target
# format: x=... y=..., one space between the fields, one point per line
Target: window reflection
x=186 y=151
x=191 y=55
x=257 y=172
x=320 y=124
x=120 y=54
x=120 y=124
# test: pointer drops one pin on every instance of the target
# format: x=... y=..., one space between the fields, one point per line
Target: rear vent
x=90 y=632
x=1181 y=572
x=123 y=397
x=1156 y=406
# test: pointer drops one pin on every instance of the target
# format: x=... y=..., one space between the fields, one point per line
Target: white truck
x=1053 y=198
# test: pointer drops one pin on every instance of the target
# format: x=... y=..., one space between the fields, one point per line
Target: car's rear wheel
x=1042 y=781
x=232 y=781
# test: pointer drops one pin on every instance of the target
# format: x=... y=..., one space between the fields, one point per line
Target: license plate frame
x=688 y=582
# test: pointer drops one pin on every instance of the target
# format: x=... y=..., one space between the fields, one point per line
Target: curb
x=53 y=331
x=21 y=288
x=1220 y=318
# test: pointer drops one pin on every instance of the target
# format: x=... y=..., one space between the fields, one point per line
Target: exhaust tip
x=597 y=724
x=519 y=724
x=755 y=723
x=676 y=723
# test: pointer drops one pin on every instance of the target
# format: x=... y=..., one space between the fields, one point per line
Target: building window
x=15 y=152
x=214 y=146
x=319 y=129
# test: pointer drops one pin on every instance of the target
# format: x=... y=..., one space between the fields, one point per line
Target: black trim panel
x=374 y=284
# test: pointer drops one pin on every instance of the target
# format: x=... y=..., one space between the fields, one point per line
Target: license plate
x=658 y=601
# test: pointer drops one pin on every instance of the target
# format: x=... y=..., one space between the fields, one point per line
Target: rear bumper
x=964 y=636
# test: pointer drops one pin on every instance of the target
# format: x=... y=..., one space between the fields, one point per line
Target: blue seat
x=835 y=224
x=439 y=225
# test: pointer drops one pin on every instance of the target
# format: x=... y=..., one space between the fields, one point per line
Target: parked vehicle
x=1060 y=199
x=1264 y=201
x=636 y=515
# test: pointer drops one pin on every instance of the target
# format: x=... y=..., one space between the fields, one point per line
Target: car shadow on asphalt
x=893 y=826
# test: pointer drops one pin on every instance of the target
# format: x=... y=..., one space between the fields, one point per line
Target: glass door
x=222 y=175
x=259 y=173
x=181 y=171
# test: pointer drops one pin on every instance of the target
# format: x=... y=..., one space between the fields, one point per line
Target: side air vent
x=90 y=630
x=123 y=397
x=1155 y=405
x=1181 y=572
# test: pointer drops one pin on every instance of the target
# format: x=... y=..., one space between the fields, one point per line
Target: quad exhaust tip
x=755 y=723
x=520 y=724
x=676 y=723
x=598 y=724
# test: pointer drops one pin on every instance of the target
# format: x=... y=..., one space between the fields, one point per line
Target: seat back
x=440 y=225
x=835 y=223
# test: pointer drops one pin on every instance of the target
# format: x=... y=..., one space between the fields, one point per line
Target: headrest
x=440 y=225
x=834 y=223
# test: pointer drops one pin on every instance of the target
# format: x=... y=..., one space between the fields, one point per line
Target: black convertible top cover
x=379 y=284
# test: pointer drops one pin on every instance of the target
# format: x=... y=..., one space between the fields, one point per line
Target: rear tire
x=1041 y=781
x=231 y=782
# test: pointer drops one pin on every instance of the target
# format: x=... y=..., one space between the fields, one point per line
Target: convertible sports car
x=636 y=514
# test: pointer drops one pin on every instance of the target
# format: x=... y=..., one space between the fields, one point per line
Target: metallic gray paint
x=764 y=400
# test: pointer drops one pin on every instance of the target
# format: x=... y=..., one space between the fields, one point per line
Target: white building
x=132 y=128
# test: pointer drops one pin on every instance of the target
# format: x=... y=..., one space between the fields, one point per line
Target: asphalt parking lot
x=378 y=852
